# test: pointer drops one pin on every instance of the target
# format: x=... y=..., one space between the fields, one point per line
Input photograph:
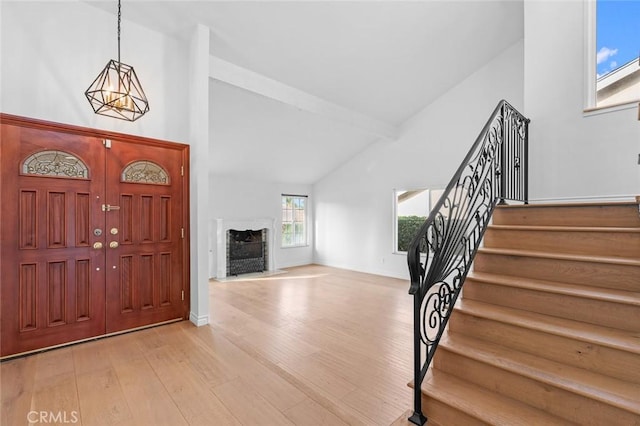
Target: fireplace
x=247 y=251
x=264 y=226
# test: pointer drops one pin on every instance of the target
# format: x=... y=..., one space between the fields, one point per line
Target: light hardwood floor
x=312 y=346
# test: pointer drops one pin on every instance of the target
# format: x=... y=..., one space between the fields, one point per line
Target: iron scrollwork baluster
x=441 y=253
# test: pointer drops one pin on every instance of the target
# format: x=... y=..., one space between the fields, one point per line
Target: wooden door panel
x=145 y=277
x=27 y=219
x=52 y=287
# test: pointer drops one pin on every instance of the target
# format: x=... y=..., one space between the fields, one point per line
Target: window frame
x=590 y=106
x=394 y=218
x=293 y=222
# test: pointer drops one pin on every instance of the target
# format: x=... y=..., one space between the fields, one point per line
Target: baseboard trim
x=199 y=320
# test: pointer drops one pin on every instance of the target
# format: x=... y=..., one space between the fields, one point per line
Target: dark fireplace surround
x=247 y=251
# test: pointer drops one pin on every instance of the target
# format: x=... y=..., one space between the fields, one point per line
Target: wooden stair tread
x=595 y=386
x=562 y=256
x=589 y=292
x=568 y=204
x=605 y=214
x=560 y=228
x=603 y=336
x=484 y=405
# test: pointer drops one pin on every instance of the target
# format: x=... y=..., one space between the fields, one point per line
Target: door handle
x=113 y=244
x=97 y=245
x=109 y=207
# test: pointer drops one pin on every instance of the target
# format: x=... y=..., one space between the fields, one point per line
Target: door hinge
x=106 y=143
x=182 y=232
x=182 y=294
x=181 y=170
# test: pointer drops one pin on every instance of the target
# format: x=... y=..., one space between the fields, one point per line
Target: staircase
x=548 y=328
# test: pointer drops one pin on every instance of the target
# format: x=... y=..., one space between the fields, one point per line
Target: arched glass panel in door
x=56 y=164
x=145 y=172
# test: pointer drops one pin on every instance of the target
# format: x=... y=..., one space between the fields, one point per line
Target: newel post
x=417 y=417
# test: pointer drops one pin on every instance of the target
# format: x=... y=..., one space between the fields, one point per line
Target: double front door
x=92 y=234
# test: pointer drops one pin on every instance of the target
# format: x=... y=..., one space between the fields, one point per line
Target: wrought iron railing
x=440 y=255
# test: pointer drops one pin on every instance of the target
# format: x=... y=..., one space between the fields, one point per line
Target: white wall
x=571 y=155
x=354 y=204
x=52 y=52
x=235 y=199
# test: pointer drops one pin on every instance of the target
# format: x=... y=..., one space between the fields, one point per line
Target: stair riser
x=441 y=413
x=614 y=216
x=623 y=244
x=573 y=307
x=590 y=356
x=606 y=275
x=560 y=402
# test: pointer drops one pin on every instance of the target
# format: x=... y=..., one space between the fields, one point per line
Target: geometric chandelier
x=117 y=92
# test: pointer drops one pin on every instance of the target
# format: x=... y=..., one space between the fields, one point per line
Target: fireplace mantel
x=223 y=225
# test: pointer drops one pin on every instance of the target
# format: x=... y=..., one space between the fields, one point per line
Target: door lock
x=113 y=244
x=97 y=232
x=109 y=207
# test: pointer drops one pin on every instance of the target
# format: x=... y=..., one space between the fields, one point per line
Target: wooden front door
x=52 y=280
x=91 y=234
x=144 y=238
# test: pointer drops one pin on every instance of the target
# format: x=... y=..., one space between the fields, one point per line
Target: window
x=614 y=47
x=411 y=210
x=294 y=220
x=56 y=164
x=145 y=172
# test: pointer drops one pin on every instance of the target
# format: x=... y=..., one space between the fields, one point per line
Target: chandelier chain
x=116 y=92
x=119 y=18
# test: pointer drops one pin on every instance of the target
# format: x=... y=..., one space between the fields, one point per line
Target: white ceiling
x=268 y=139
x=383 y=59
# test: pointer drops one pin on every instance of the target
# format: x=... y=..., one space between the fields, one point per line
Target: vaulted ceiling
x=381 y=61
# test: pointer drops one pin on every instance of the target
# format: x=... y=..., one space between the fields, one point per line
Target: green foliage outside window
x=408 y=227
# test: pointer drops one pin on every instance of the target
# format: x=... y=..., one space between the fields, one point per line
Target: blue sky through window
x=618 y=33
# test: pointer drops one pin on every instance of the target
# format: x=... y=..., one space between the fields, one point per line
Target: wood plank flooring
x=312 y=346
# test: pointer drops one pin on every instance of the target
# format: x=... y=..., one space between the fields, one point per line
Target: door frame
x=8 y=119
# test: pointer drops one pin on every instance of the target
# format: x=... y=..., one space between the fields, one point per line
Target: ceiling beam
x=243 y=78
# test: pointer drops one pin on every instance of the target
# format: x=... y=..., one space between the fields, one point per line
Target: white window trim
x=306 y=223
x=590 y=55
x=394 y=222
x=590 y=107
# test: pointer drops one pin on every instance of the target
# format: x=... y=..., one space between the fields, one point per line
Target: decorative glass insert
x=145 y=172
x=55 y=163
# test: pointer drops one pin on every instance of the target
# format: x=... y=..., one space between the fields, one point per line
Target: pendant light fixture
x=117 y=92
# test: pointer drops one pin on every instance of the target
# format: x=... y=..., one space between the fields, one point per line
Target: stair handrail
x=439 y=257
